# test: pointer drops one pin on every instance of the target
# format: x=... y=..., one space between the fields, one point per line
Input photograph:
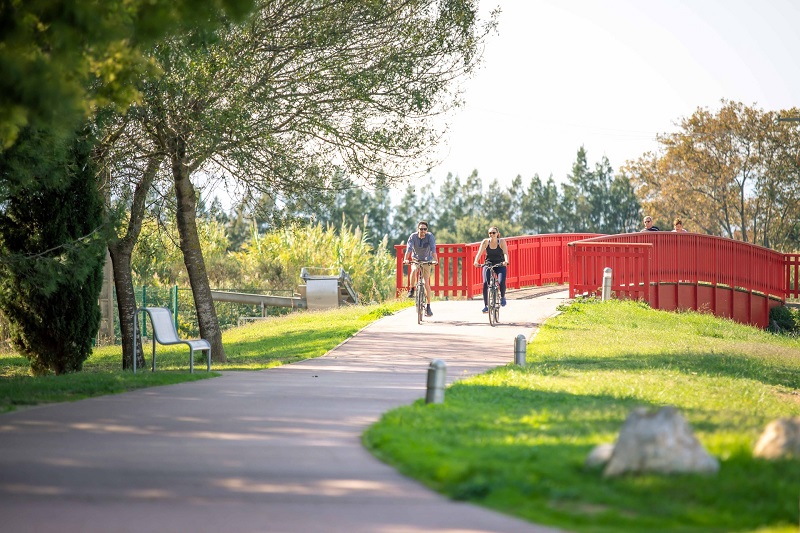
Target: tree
x=538 y=206
x=53 y=247
x=449 y=204
x=731 y=173
x=415 y=205
x=302 y=95
x=497 y=203
x=625 y=212
x=60 y=60
x=63 y=62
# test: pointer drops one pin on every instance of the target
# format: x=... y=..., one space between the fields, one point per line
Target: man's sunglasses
x=423 y=229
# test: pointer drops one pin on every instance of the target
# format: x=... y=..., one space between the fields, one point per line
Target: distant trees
x=733 y=172
x=591 y=200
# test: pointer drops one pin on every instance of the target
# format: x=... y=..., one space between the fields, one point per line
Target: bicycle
x=420 y=296
x=493 y=294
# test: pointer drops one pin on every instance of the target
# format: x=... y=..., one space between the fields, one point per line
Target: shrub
x=785 y=318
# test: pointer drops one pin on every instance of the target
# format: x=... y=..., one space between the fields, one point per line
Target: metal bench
x=165 y=333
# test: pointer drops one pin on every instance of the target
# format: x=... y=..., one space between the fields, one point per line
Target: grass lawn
x=264 y=344
x=515 y=439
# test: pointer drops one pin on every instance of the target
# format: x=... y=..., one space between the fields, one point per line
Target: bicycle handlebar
x=492 y=265
x=418 y=262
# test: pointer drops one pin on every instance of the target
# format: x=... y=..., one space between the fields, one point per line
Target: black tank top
x=495 y=256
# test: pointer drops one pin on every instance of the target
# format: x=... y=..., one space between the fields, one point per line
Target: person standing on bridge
x=422 y=247
x=648 y=224
x=678 y=225
x=496 y=254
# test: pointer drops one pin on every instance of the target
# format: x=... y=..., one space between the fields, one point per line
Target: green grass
x=515 y=439
x=264 y=344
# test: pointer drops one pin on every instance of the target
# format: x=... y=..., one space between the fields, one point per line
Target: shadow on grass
x=522 y=451
x=770 y=372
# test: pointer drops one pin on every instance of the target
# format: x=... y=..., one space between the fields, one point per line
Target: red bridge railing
x=729 y=278
x=534 y=260
x=669 y=270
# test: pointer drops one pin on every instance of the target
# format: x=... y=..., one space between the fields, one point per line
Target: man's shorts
x=426 y=269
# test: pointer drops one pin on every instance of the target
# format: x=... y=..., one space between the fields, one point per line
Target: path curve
x=271 y=451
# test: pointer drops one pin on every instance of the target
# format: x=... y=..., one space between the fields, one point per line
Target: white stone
x=780 y=439
x=661 y=442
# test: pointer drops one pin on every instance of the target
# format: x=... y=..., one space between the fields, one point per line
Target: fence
x=534 y=260
x=673 y=271
x=181 y=302
x=669 y=270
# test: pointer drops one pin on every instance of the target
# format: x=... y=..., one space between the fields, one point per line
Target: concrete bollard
x=606 y=284
x=437 y=371
x=520 y=350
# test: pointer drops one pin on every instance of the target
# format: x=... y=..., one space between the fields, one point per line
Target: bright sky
x=610 y=75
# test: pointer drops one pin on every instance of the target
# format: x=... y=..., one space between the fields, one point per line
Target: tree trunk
x=193 y=255
x=126 y=303
x=121 y=250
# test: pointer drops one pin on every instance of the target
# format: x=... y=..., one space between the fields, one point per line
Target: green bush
x=785 y=318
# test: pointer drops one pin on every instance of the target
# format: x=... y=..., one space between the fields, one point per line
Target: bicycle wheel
x=496 y=310
x=420 y=303
x=492 y=304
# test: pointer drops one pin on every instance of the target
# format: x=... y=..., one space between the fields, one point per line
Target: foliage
x=785 y=318
x=267 y=263
x=257 y=346
x=53 y=250
x=157 y=258
x=275 y=259
x=60 y=59
x=732 y=172
x=515 y=439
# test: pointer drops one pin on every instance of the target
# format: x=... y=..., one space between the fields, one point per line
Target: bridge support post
x=606 y=284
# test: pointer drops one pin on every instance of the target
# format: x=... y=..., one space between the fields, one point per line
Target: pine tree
x=53 y=249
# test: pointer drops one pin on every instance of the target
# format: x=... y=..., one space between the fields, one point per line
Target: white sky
x=610 y=75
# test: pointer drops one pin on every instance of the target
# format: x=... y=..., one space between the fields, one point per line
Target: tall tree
x=473 y=195
x=303 y=93
x=52 y=235
x=731 y=172
x=449 y=204
x=497 y=203
x=416 y=204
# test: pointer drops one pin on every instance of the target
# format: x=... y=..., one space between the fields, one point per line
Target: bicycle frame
x=421 y=300
x=493 y=294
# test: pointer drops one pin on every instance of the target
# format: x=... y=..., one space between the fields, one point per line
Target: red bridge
x=668 y=270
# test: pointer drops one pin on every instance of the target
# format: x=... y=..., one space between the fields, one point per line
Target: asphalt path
x=277 y=450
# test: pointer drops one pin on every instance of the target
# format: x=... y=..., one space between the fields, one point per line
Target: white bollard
x=606 y=284
x=436 y=379
x=520 y=349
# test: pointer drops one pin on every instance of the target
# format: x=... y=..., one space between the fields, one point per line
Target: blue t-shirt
x=421 y=248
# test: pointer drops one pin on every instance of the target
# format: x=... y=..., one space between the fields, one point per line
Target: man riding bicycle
x=496 y=254
x=422 y=247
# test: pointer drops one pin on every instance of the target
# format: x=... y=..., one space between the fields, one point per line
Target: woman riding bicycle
x=496 y=254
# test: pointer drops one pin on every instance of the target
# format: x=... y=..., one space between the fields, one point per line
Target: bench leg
x=208 y=367
x=191 y=360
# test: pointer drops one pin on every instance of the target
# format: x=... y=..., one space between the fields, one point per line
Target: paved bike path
x=270 y=451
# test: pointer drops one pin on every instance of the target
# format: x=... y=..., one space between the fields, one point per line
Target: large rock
x=661 y=442
x=780 y=439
